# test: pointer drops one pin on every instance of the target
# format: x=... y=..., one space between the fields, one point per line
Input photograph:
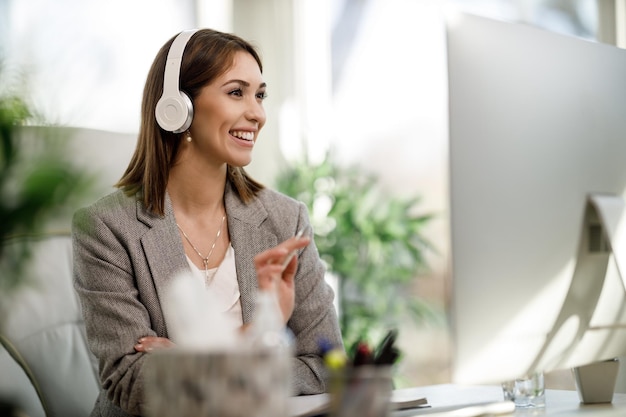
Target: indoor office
x=460 y=162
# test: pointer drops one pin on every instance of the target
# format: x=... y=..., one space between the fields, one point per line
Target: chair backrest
x=44 y=328
x=44 y=333
x=15 y=388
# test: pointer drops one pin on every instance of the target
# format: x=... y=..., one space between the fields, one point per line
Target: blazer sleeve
x=115 y=317
x=314 y=318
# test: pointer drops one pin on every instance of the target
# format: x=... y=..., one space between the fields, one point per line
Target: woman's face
x=228 y=114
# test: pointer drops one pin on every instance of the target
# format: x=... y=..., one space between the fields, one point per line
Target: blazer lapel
x=165 y=254
x=248 y=238
x=162 y=246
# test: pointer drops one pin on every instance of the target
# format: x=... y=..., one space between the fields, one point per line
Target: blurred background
x=362 y=79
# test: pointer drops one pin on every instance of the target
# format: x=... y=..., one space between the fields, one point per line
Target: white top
x=223 y=285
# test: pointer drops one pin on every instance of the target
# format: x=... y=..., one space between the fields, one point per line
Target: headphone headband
x=174 y=110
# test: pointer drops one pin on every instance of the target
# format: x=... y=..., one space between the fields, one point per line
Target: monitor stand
x=595 y=382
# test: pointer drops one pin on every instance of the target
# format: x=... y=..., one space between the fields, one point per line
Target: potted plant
x=37 y=183
x=372 y=242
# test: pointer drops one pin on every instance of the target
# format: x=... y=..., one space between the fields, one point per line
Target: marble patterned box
x=225 y=384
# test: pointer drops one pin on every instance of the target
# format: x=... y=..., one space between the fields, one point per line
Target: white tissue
x=193 y=319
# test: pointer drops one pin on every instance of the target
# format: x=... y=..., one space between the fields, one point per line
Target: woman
x=186 y=204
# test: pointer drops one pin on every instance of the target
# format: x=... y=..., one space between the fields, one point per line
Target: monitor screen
x=537 y=124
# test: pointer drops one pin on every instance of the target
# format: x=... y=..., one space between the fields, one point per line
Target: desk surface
x=560 y=403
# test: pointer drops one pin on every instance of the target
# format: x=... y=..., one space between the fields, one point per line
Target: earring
x=189 y=137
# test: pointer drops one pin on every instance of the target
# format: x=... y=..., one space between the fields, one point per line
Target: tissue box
x=225 y=384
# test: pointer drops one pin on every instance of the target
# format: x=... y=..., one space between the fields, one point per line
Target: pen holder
x=217 y=384
x=362 y=391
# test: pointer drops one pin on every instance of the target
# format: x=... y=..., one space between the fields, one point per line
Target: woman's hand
x=151 y=343
x=276 y=268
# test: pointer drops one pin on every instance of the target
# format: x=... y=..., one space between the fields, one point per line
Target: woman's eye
x=236 y=92
x=261 y=95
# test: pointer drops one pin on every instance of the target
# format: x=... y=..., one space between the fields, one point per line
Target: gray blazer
x=125 y=256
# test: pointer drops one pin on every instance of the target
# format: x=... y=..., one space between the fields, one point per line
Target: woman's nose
x=256 y=112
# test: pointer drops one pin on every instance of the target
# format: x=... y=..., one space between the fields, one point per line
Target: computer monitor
x=537 y=125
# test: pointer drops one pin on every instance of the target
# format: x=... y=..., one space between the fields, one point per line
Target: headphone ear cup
x=174 y=113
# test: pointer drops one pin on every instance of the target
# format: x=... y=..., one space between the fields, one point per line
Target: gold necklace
x=205 y=260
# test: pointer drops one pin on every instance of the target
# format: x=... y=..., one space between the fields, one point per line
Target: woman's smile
x=229 y=113
x=243 y=137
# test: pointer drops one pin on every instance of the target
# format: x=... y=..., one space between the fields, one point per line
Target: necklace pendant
x=206 y=268
x=205 y=261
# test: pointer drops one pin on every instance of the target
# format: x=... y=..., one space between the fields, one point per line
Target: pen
x=293 y=252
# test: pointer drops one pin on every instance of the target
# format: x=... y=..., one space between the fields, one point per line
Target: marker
x=386 y=352
x=363 y=355
x=334 y=358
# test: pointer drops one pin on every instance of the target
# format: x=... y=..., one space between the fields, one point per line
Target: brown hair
x=208 y=55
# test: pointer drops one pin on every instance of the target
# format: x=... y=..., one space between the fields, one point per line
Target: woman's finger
x=268 y=275
x=270 y=256
x=151 y=343
x=290 y=265
x=282 y=253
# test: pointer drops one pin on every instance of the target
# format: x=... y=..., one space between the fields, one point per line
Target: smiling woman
x=186 y=204
x=229 y=116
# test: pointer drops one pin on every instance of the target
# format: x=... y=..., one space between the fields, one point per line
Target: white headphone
x=174 y=110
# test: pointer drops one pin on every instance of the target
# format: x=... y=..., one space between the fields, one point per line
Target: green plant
x=370 y=241
x=38 y=182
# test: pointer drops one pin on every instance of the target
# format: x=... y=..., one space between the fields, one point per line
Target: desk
x=561 y=403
